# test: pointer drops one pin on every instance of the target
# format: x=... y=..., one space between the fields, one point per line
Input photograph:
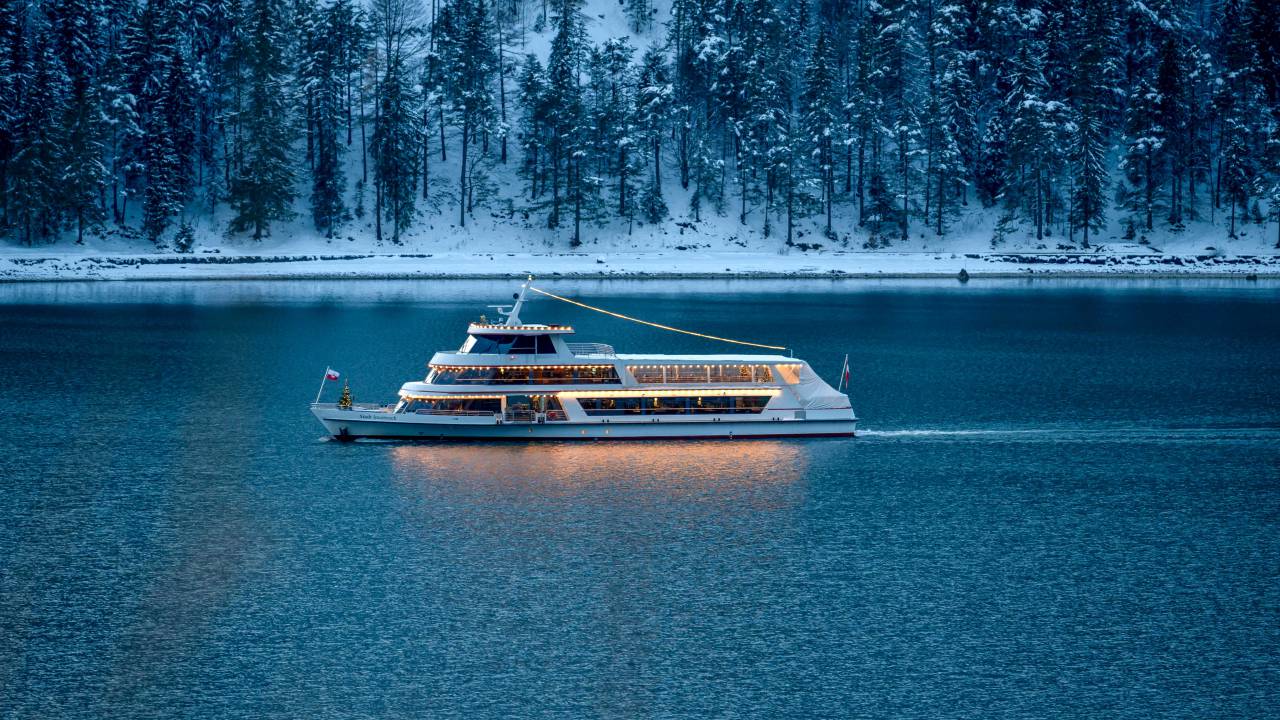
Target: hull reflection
x=760 y=473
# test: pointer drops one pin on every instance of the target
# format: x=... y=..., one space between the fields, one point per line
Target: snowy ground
x=670 y=264
x=505 y=244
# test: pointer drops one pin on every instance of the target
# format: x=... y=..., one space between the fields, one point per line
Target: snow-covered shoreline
x=34 y=267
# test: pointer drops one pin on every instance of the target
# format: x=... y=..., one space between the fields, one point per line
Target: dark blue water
x=1066 y=504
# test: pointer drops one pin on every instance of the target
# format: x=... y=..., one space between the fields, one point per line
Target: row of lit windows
x=528 y=375
x=654 y=374
x=451 y=405
x=673 y=405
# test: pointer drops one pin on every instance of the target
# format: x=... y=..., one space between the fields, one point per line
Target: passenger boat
x=526 y=381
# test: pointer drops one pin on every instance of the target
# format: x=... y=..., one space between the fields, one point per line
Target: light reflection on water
x=748 y=474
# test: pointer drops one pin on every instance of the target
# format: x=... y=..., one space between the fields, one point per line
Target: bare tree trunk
x=462 y=179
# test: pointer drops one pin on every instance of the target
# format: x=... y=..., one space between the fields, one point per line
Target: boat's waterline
x=356 y=424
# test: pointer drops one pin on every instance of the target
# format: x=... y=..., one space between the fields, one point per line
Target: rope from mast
x=654 y=324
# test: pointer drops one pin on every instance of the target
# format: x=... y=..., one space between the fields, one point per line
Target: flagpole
x=844 y=373
x=323 y=378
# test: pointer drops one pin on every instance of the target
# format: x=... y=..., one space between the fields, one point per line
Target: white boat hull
x=357 y=424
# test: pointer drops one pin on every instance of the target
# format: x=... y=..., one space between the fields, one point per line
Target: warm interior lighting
x=451 y=368
x=688 y=392
x=490 y=326
x=453 y=397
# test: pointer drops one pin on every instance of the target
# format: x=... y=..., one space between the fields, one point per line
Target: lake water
x=1066 y=503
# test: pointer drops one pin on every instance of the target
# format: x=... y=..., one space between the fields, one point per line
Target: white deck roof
x=708 y=359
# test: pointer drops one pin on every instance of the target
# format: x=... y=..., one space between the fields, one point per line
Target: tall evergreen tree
x=472 y=64
x=1143 y=162
x=1088 y=201
x=653 y=108
x=1034 y=139
x=398 y=26
x=80 y=149
x=563 y=115
x=324 y=72
x=821 y=125
x=532 y=94
x=262 y=190
x=1240 y=103
x=32 y=173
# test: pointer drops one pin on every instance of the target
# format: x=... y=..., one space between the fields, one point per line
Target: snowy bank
x=674 y=263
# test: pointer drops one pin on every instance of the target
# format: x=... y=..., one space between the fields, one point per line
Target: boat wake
x=1240 y=433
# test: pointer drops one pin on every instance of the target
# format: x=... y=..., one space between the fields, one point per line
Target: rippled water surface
x=1065 y=504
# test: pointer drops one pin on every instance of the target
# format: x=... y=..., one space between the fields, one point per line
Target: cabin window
x=692 y=374
x=451 y=406
x=525 y=375
x=512 y=345
x=692 y=405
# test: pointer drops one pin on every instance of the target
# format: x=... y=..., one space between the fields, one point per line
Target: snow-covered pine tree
x=1154 y=120
x=894 y=72
x=956 y=144
x=324 y=74
x=81 y=174
x=262 y=190
x=1145 y=147
x=1172 y=89
x=993 y=148
x=640 y=14
x=861 y=106
x=1272 y=159
x=612 y=118
x=687 y=33
x=653 y=109
x=531 y=93
x=152 y=168
x=1093 y=106
x=948 y=121
x=216 y=37
x=1240 y=102
x=471 y=63
x=765 y=105
x=14 y=76
x=397 y=32
x=564 y=117
x=32 y=172
x=819 y=121
x=1035 y=139
x=120 y=132
x=1088 y=198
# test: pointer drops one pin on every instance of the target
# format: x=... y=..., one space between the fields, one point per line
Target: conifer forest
x=857 y=122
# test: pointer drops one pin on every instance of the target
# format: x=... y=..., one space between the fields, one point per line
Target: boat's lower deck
x=356 y=424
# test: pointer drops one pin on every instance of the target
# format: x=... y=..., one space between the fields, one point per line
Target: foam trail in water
x=1100 y=434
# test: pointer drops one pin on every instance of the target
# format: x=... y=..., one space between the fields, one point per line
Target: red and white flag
x=330 y=374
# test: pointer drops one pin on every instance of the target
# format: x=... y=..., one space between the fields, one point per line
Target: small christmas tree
x=185 y=238
x=344 y=402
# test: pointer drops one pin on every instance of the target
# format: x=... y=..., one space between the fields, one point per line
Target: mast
x=513 y=315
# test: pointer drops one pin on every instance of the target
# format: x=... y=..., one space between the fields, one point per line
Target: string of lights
x=653 y=324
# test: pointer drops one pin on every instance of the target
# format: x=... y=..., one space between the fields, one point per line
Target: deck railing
x=590 y=348
x=532 y=381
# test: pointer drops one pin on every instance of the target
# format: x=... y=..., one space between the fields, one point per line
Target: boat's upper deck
x=633 y=358
x=516 y=354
